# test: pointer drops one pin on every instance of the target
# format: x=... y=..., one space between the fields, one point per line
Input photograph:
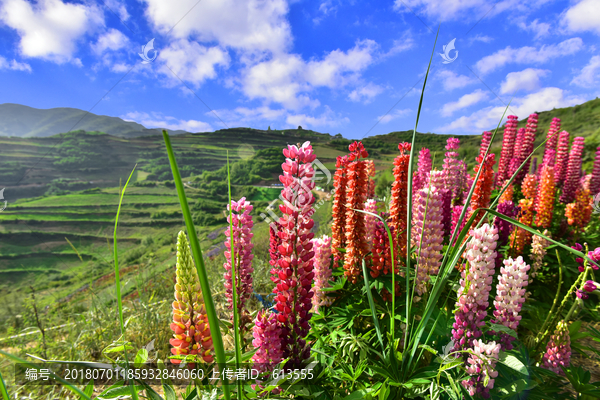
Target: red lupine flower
x=371 y=175
x=338 y=208
x=573 y=172
x=508 y=147
x=486 y=139
x=398 y=204
x=382 y=257
x=562 y=158
x=546 y=193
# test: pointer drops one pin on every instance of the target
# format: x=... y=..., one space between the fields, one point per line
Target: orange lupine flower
x=579 y=212
x=546 y=194
x=483 y=186
x=520 y=237
x=529 y=186
x=507 y=195
x=338 y=208
x=398 y=203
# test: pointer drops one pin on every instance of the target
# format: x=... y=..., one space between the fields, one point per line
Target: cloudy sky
x=350 y=67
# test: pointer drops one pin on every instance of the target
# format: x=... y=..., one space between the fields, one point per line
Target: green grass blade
x=409 y=212
x=372 y=305
x=213 y=319
x=3 y=389
x=69 y=385
x=134 y=394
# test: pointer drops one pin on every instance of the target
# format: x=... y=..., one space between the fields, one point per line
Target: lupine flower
x=452 y=169
x=338 y=207
x=579 y=260
x=357 y=247
x=546 y=192
x=590 y=286
x=267 y=340
x=558 y=349
x=520 y=237
x=398 y=203
x=534 y=165
x=456 y=211
x=529 y=186
x=428 y=235
x=510 y=293
x=562 y=158
x=507 y=195
x=382 y=255
x=486 y=139
x=371 y=174
x=322 y=264
x=516 y=159
x=508 y=146
x=421 y=175
x=370 y=220
x=505 y=228
x=294 y=275
x=475 y=286
x=573 y=172
x=480 y=364
x=437 y=179
x=538 y=252
x=595 y=181
x=465 y=182
x=191 y=332
x=551 y=143
x=483 y=186
x=579 y=212
x=594 y=256
x=528 y=143
x=274 y=242
x=242 y=247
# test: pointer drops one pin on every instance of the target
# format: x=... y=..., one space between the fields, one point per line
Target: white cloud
x=538 y=28
x=583 y=16
x=326 y=119
x=241 y=24
x=542 y=100
x=159 y=120
x=452 y=80
x=528 y=55
x=50 y=28
x=118 y=8
x=325 y=8
x=400 y=45
x=14 y=65
x=384 y=119
x=589 y=75
x=481 y=38
x=111 y=40
x=528 y=80
x=243 y=114
x=191 y=61
x=464 y=102
x=365 y=93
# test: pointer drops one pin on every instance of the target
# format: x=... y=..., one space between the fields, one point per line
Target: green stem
x=555 y=302
x=3 y=388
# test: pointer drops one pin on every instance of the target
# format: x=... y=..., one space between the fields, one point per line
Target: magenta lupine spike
x=427 y=235
x=421 y=175
x=370 y=221
x=486 y=139
x=437 y=179
x=514 y=161
x=452 y=169
x=505 y=228
x=480 y=364
x=242 y=245
x=267 y=341
x=510 y=295
x=573 y=172
x=595 y=181
x=558 y=349
x=508 y=147
x=322 y=264
x=456 y=211
x=525 y=141
x=475 y=286
x=293 y=291
x=465 y=182
x=562 y=158
x=550 y=152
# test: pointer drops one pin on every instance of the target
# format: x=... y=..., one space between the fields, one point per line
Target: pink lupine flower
x=550 y=152
x=370 y=220
x=486 y=139
x=242 y=248
x=267 y=341
x=558 y=349
x=322 y=264
x=508 y=147
x=595 y=180
x=294 y=275
x=516 y=159
x=475 y=286
x=427 y=235
x=590 y=286
x=421 y=175
x=452 y=168
x=510 y=293
x=525 y=141
x=480 y=364
x=562 y=158
x=456 y=210
x=437 y=179
x=573 y=171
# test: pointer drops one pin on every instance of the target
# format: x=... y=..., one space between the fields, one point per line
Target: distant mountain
x=23 y=121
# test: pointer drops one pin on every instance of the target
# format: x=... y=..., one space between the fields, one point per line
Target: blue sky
x=350 y=67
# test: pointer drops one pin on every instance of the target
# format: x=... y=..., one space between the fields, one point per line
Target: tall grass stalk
x=213 y=319
x=134 y=393
x=236 y=318
x=3 y=388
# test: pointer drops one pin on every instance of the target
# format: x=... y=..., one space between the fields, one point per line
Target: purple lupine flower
x=486 y=139
x=452 y=168
x=573 y=172
x=427 y=235
x=421 y=175
x=558 y=349
x=266 y=333
x=594 y=255
x=437 y=179
x=480 y=364
x=322 y=264
x=510 y=293
x=242 y=246
x=505 y=228
x=562 y=158
x=475 y=286
x=370 y=220
x=595 y=181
